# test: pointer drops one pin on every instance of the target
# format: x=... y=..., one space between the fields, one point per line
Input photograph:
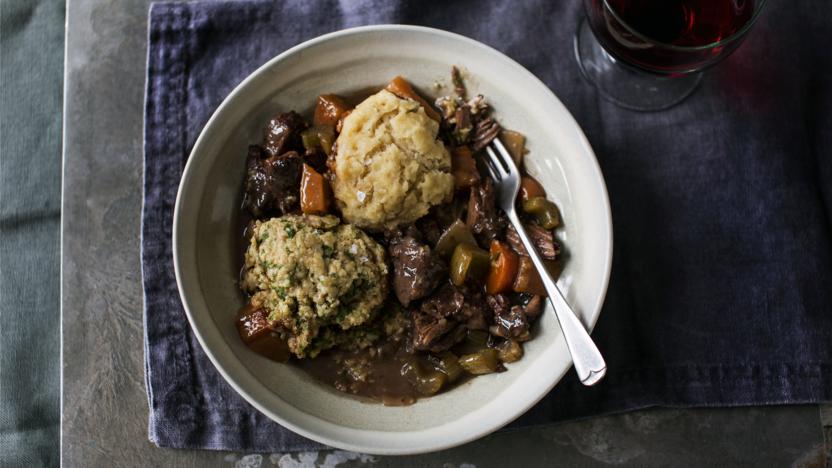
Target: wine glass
x=647 y=55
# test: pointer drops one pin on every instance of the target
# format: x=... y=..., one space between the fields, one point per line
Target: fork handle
x=589 y=364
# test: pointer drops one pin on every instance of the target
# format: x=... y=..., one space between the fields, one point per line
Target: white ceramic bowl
x=204 y=234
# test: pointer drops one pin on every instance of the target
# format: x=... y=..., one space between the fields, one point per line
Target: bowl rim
x=436 y=445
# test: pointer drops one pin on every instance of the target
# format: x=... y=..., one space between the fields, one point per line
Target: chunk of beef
x=462 y=130
x=513 y=324
x=443 y=319
x=257 y=196
x=447 y=301
x=282 y=133
x=429 y=228
x=533 y=307
x=435 y=334
x=483 y=219
x=473 y=311
x=498 y=303
x=459 y=84
x=416 y=271
x=509 y=321
x=542 y=239
x=485 y=131
x=272 y=185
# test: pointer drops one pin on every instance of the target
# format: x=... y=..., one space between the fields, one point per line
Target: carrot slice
x=314 y=192
x=528 y=279
x=530 y=188
x=329 y=109
x=504 y=264
x=463 y=167
x=402 y=88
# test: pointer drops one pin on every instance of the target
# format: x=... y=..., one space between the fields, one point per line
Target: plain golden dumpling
x=390 y=168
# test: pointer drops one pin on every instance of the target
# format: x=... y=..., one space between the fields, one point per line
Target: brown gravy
x=374 y=373
x=379 y=373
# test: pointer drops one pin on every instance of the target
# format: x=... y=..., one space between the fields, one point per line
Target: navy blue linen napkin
x=721 y=289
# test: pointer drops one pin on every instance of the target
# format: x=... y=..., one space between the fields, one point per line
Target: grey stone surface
x=104 y=417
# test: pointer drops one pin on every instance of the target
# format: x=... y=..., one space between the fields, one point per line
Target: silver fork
x=589 y=364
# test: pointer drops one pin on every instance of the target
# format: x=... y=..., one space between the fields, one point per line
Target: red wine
x=684 y=22
x=669 y=36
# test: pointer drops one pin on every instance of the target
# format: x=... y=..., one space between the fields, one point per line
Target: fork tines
x=500 y=163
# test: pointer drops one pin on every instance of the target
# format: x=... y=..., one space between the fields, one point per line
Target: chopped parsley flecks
x=281 y=293
x=290 y=230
